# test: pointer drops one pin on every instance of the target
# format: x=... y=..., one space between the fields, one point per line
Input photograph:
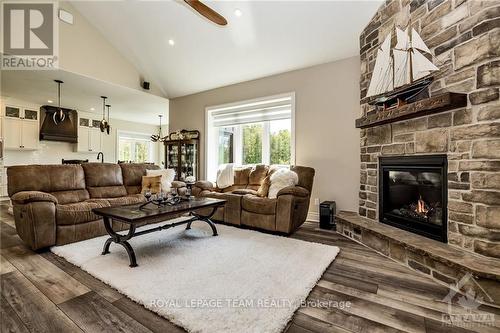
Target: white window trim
x=209 y=134
x=152 y=153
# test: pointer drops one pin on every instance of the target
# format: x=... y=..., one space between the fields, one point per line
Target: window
x=226 y=144
x=252 y=143
x=250 y=132
x=135 y=147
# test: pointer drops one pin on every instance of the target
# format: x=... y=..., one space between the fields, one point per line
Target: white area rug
x=240 y=281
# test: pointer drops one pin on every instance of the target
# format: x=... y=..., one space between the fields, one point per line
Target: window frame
x=151 y=153
x=209 y=135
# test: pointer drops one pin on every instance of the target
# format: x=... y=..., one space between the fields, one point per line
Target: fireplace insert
x=413 y=194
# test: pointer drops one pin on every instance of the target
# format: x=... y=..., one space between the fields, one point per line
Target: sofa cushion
x=45 y=178
x=133 y=172
x=244 y=191
x=104 y=180
x=79 y=212
x=257 y=175
x=66 y=197
x=130 y=199
x=241 y=176
x=255 y=204
x=233 y=188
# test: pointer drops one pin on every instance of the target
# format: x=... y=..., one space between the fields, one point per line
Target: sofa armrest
x=25 y=197
x=295 y=191
x=36 y=223
x=204 y=185
x=178 y=184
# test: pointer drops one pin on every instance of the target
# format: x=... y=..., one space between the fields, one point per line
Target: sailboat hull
x=403 y=95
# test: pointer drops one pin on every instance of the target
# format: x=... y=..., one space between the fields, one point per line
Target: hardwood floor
x=41 y=292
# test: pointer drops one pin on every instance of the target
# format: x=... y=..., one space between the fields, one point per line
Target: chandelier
x=158 y=137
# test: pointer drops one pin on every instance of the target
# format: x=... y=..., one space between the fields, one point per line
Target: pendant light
x=108 y=126
x=58 y=116
x=103 y=123
x=157 y=137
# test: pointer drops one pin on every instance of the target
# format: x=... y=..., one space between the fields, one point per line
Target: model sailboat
x=401 y=71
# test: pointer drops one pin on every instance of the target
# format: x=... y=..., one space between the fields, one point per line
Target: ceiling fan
x=207 y=12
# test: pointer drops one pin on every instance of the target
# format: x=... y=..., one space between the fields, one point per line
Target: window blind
x=133 y=136
x=272 y=109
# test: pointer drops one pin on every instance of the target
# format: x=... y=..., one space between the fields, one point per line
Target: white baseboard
x=313 y=217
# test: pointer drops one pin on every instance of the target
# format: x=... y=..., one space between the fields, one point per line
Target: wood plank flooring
x=41 y=292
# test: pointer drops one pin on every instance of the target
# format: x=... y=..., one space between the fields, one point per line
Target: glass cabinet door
x=182 y=156
x=12 y=112
x=189 y=162
x=172 y=151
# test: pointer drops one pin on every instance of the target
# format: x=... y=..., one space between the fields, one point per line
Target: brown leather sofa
x=53 y=203
x=245 y=208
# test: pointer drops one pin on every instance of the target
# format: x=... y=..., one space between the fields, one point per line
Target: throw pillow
x=151 y=184
x=264 y=187
x=167 y=177
x=280 y=179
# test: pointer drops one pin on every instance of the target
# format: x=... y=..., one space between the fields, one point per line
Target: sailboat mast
x=410 y=50
x=392 y=58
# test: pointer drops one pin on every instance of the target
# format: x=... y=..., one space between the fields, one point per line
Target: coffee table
x=133 y=216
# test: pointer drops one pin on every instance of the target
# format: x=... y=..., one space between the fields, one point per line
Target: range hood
x=65 y=131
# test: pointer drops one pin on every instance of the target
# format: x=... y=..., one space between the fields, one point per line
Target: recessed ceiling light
x=92 y=109
x=238 y=12
x=50 y=101
x=171 y=42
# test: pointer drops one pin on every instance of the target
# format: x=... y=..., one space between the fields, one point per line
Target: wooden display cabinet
x=182 y=153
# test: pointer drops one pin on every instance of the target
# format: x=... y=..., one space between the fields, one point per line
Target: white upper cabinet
x=12 y=133
x=89 y=136
x=20 y=128
x=95 y=140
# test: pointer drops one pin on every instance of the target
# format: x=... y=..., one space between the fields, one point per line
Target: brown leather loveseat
x=53 y=203
x=245 y=208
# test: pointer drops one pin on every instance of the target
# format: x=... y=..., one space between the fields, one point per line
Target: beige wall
x=327 y=103
x=84 y=50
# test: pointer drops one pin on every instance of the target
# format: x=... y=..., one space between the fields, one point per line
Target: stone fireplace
x=464 y=37
x=413 y=194
x=458 y=123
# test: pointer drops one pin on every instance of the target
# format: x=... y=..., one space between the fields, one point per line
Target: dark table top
x=132 y=213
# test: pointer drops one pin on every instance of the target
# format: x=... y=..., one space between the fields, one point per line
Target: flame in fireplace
x=421 y=206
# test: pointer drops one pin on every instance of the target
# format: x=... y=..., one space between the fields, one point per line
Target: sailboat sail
x=401 y=65
x=417 y=42
x=401 y=68
x=421 y=65
x=403 y=42
x=382 y=73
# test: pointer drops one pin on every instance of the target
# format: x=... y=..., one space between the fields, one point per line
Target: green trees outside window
x=252 y=144
x=280 y=147
x=266 y=142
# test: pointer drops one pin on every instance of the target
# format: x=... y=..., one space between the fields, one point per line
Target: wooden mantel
x=435 y=104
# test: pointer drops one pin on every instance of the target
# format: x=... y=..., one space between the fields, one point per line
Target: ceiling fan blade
x=207 y=12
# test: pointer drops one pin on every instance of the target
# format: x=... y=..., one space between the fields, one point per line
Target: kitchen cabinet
x=20 y=128
x=89 y=136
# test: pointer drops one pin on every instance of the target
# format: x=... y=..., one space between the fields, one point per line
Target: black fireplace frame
x=427 y=162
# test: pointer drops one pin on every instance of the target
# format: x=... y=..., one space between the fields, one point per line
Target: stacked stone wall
x=464 y=37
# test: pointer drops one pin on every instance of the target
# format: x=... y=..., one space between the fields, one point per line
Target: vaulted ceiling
x=269 y=37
